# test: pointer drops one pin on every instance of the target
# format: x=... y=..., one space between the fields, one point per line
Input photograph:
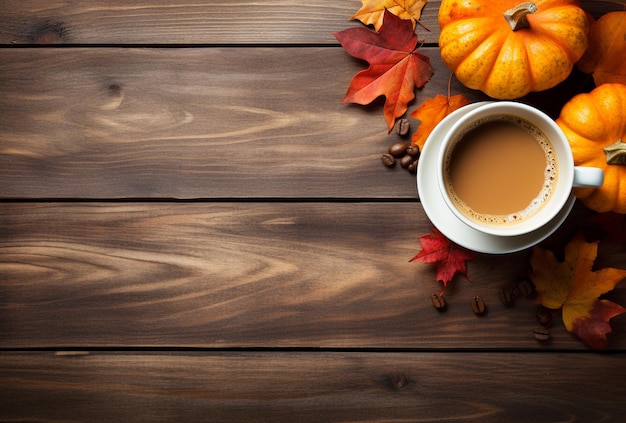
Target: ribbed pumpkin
x=507 y=48
x=595 y=125
x=605 y=57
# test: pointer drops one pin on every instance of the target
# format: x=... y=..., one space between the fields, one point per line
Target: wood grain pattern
x=249 y=275
x=312 y=387
x=200 y=22
x=219 y=122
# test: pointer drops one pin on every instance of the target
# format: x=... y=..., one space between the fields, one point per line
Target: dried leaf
x=431 y=112
x=449 y=257
x=372 y=12
x=572 y=285
x=605 y=56
x=396 y=68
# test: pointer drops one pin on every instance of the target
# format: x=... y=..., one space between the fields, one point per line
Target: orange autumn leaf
x=605 y=56
x=372 y=12
x=572 y=285
x=431 y=112
x=396 y=68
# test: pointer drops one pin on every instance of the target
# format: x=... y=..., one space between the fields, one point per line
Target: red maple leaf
x=449 y=257
x=396 y=68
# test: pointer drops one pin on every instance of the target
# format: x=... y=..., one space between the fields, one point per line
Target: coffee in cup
x=500 y=170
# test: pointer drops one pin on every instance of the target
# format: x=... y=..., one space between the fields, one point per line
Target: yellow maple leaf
x=372 y=11
x=572 y=285
x=431 y=112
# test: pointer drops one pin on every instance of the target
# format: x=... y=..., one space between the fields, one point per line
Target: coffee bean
x=439 y=302
x=544 y=316
x=398 y=149
x=413 y=166
x=403 y=127
x=406 y=160
x=525 y=287
x=413 y=150
x=388 y=160
x=541 y=334
x=478 y=305
x=506 y=296
x=515 y=291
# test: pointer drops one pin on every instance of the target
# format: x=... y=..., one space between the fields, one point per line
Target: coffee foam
x=550 y=176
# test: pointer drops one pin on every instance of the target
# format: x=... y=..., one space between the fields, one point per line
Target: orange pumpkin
x=605 y=57
x=507 y=48
x=595 y=125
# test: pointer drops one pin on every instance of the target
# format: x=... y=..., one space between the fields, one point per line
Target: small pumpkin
x=605 y=57
x=507 y=48
x=595 y=126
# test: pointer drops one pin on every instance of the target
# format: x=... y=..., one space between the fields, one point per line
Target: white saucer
x=445 y=220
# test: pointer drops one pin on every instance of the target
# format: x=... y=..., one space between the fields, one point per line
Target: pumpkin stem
x=616 y=153
x=516 y=16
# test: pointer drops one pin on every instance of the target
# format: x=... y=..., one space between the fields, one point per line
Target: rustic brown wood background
x=193 y=228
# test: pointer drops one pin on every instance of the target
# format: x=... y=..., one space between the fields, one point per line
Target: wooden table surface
x=194 y=228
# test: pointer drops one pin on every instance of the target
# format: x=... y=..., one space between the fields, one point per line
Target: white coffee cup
x=549 y=205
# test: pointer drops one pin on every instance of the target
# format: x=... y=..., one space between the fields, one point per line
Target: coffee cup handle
x=588 y=177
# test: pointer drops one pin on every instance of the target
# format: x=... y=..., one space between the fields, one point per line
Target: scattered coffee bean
x=398 y=149
x=413 y=166
x=388 y=160
x=439 y=302
x=515 y=291
x=413 y=150
x=406 y=160
x=544 y=316
x=403 y=127
x=541 y=334
x=478 y=305
x=506 y=296
x=525 y=287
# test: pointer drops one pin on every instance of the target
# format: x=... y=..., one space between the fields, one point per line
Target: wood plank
x=171 y=22
x=251 y=275
x=219 y=122
x=200 y=123
x=311 y=387
x=200 y=22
